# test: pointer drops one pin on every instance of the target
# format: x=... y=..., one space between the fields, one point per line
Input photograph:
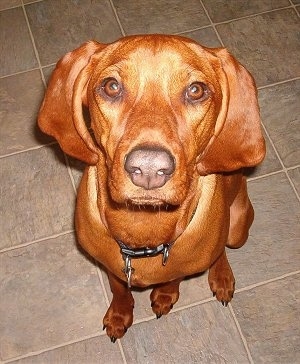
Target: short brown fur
x=203 y=206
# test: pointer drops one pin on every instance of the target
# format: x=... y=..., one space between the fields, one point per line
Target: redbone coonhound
x=173 y=124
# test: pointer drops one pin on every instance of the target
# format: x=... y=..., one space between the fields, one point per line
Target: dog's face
x=163 y=108
x=154 y=108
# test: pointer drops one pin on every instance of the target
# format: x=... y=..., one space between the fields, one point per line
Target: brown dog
x=163 y=194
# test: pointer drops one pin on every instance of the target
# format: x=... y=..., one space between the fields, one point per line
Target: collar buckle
x=128 y=254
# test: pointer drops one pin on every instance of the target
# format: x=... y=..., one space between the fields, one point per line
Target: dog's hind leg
x=241 y=217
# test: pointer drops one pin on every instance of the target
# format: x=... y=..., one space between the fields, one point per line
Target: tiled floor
x=52 y=298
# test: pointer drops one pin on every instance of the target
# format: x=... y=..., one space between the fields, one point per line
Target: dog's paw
x=162 y=302
x=118 y=319
x=222 y=288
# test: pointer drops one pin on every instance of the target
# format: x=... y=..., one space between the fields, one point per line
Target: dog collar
x=128 y=254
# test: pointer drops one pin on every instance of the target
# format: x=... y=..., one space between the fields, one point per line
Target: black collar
x=128 y=254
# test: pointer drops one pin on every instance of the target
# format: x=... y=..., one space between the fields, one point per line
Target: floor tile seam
x=294 y=6
x=192 y=30
x=282 y=170
x=30 y=149
x=70 y=173
x=240 y=331
x=37 y=56
x=174 y=310
x=101 y=281
x=37 y=241
x=117 y=18
x=278 y=83
x=252 y=15
x=268 y=281
x=213 y=299
x=273 y=145
x=53 y=347
x=292 y=185
x=107 y=302
x=139 y=321
x=9 y=8
x=20 y=72
x=32 y=2
x=34 y=353
x=212 y=23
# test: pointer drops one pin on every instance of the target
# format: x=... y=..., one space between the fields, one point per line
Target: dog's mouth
x=125 y=193
x=149 y=202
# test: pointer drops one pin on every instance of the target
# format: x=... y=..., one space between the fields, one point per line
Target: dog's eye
x=197 y=91
x=111 y=87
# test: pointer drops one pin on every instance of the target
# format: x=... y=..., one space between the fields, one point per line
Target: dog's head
x=162 y=109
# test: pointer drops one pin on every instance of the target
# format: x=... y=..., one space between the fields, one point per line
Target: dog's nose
x=149 y=168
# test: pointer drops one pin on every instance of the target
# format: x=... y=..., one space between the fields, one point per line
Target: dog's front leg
x=119 y=316
x=221 y=279
x=164 y=296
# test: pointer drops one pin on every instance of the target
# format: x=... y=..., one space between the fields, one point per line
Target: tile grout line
x=28 y=150
x=107 y=301
x=117 y=17
x=24 y=245
x=271 y=280
x=250 y=179
x=284 y=169
x=213 y=299
x=212 y=23
x=278 y=83
x=251 y=15
x=51 y=348
x=67 y=163
x=150 y=318
x=33 y=44
x=238 y=326
x=45 y=85
x=20 y=72
x=294 y=7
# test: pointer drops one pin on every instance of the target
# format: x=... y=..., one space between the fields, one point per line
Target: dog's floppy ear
x=56 y=115
x=238 y=141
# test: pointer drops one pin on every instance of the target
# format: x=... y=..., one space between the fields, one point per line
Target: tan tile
x=37 y=197
x=267 y=44
x=92 y=351
x=81 y=22
x=6 y=4
x=50 y=294
x=272 y=249
x=220 y=10
x=16 y=48
x=161 y=17
x=295 y=176
x=20 y=99
x=269 y=319
x=202 y=334
x=280 y=110
x=206 y=37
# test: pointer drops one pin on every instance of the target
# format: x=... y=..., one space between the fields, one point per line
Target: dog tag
x=165 y=254
x=128 y=270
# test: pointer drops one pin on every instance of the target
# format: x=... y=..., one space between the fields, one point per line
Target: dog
x=172 y=126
